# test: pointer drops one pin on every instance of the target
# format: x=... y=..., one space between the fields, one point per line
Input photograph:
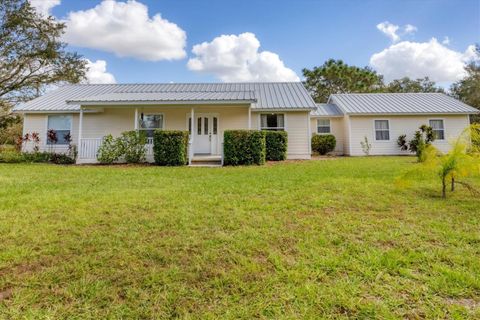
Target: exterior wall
x=296 y=124
x=362 y=126
x=336 y=128
x=34 y=122
x=347 y=123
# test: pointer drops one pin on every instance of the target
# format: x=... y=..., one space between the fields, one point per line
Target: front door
x=206 y=134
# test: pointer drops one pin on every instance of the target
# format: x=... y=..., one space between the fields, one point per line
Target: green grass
x=328 y=239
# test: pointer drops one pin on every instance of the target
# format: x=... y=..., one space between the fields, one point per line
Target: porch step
x=206 y=161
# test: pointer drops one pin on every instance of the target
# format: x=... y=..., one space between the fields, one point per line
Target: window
x=382 y=130
x=61 y=126
x=323 y=126
x=438 y=129
x=150 y=122
x=215 y=125
x=273 y=121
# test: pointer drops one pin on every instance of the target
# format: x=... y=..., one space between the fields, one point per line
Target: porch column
x=250 y=117
x=192 y=119
x=136 y=119
x=80 y=127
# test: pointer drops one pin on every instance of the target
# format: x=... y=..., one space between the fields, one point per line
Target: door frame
x=210 y=115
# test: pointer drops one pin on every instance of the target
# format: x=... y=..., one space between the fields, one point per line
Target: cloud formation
x=127 y=30
x=420 y=59
x=237 y=58
x=97 y=72
x=44 y=7
x=394 y=32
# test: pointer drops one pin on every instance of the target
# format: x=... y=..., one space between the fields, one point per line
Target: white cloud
x=420 y=59
x=125 y=29
x=236 y=58
x=390 y=30
x=44 y=7
x=394 y=32
x=97 y=72
x=446 y=41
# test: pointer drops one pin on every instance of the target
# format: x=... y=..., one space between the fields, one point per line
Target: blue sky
x=301 y=33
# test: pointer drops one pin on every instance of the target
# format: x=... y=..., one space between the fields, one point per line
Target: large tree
x=406 y=84
x=32 y=56
x=468 y=89
x=335 y=76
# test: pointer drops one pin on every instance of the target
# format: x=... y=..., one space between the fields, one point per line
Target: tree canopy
x=406 y=84
x=335 y=76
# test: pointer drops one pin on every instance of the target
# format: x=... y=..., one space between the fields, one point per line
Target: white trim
x=136 y=119
x=80 y=127
x=375 y=131
x=444 y=128
x=309 y=133
x=249 y=117
x=211 y=115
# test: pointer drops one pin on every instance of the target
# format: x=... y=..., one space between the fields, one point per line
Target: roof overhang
x=156 y=102
x=412 y=114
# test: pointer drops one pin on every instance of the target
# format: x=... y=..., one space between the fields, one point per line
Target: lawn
x=312 y=239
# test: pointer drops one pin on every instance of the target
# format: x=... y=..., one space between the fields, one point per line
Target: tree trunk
x=444 y=188
x=453 y=184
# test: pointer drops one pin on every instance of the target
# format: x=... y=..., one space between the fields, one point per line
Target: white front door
x=205 y=138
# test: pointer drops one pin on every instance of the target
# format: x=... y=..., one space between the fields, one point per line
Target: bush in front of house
x=170 y=147
x=110 y=150
x=323 y=143
x=13 y=156
x=276 y=145
x=244 y=147
x=133 y=146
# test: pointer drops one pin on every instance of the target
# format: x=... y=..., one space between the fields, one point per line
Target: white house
x=383 y=117
x=89 y=112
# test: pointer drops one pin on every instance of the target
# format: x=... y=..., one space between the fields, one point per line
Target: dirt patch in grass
x=6 y=294
x=469 y=304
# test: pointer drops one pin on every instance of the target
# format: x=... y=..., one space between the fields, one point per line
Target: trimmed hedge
x=323 y=143
x=170 y=147
x=276 y=145
x=244 y=147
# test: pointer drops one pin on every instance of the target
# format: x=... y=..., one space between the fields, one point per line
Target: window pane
x=152 y=121
x=436 y=124
x=280 y=120
x=323 y=129
x=215 y=125
x=381 y=124
x=272 y=121
x=199 y=126
x=59 y=122
x=61 y=137
x=382 y=135
x=439 y=134
x=263 y=122
x=323 y=122
x=206 y=125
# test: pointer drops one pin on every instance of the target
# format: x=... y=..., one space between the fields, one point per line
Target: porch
x=205 y=144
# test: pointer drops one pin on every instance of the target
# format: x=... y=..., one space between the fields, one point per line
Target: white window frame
x=444 y=130
x=47 y=128
x=329 y=126
x=284 y=128
x=389 y=130
x=150 y=114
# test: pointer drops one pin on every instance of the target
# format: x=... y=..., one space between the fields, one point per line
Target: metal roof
x=400 y=103
x=326 y=110
x=262 y=95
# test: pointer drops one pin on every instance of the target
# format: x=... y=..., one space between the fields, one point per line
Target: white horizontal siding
x=336 y=129
x=362 y=126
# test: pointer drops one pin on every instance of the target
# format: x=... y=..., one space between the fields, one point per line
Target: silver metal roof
x=262 y=95
x=326 y=110
x=400 y=103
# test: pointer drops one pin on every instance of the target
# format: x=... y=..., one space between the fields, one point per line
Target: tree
x=335 y=76
x=406 y=85
x=468 y=89
x=32 y=56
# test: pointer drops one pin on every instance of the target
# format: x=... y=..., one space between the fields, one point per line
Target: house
x=87 y=113
x=383 y=117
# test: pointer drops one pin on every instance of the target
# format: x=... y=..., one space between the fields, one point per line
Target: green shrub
x=276 y=145
x=41 y=157
x=170 y=147
x=244 y=147
x=9 y=156
x=323 y=143
x=133 y=146
x=61 y=158
x=110 y=150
